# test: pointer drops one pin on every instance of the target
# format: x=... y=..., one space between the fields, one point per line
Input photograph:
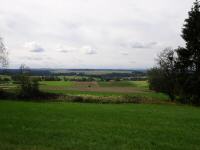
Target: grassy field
x=98 y=89
x=72 y=126
x=117 y=84
x=112 y=88
x=56 y=83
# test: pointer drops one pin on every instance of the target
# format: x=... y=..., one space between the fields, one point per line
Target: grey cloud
x=64 y=51
x=132 y=62
x=88 y=50
x=32 y=58
x=125 y=53
x=38 y=50
x=143 y=45
x=34 y=47
x=71 y=25
x=139 y=45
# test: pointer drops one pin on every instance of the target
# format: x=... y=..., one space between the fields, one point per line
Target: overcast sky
x=125 y=34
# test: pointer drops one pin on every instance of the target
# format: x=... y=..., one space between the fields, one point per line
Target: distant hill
x=73 y=71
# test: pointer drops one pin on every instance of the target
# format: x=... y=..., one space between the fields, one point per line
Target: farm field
x=98 y=89
x=91 y=71
x=53 y=126
x=112 y=88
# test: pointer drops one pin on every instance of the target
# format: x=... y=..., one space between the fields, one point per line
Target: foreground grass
x=67 y=126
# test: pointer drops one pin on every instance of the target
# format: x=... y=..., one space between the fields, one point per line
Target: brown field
x=95 y=87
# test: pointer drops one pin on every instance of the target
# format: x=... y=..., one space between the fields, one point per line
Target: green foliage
x=191 y=35
x=29 y=87
x=180 y=76
x=188 y=63
x=4 y=80
x=79 y=78
x=155 y=79
x=163 y=77
x=50 y=78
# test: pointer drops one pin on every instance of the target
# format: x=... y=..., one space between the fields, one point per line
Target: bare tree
x=3 y=55
x=3 y=60
x=163 y=77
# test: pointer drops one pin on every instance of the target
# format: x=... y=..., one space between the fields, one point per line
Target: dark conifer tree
x=191 y=35
x=188 y=64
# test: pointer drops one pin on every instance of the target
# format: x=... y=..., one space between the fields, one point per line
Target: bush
x=132 y=99
x=29 y=87
x=50 y=78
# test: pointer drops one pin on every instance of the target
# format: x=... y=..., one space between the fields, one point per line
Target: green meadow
x=67 y=126
x=56 y=83
x=112 y=89
x=155 y=123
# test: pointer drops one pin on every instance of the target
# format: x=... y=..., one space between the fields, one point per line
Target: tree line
x=178 y=70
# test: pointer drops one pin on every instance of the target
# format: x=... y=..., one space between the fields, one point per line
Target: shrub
x=29 y=87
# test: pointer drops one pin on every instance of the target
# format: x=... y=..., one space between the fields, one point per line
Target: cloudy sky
x=125 y=34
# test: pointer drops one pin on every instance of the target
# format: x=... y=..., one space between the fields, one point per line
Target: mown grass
x=137 y=84
x=140 y=84
x=116 y=84
x=67 y=126
x=56 y=83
